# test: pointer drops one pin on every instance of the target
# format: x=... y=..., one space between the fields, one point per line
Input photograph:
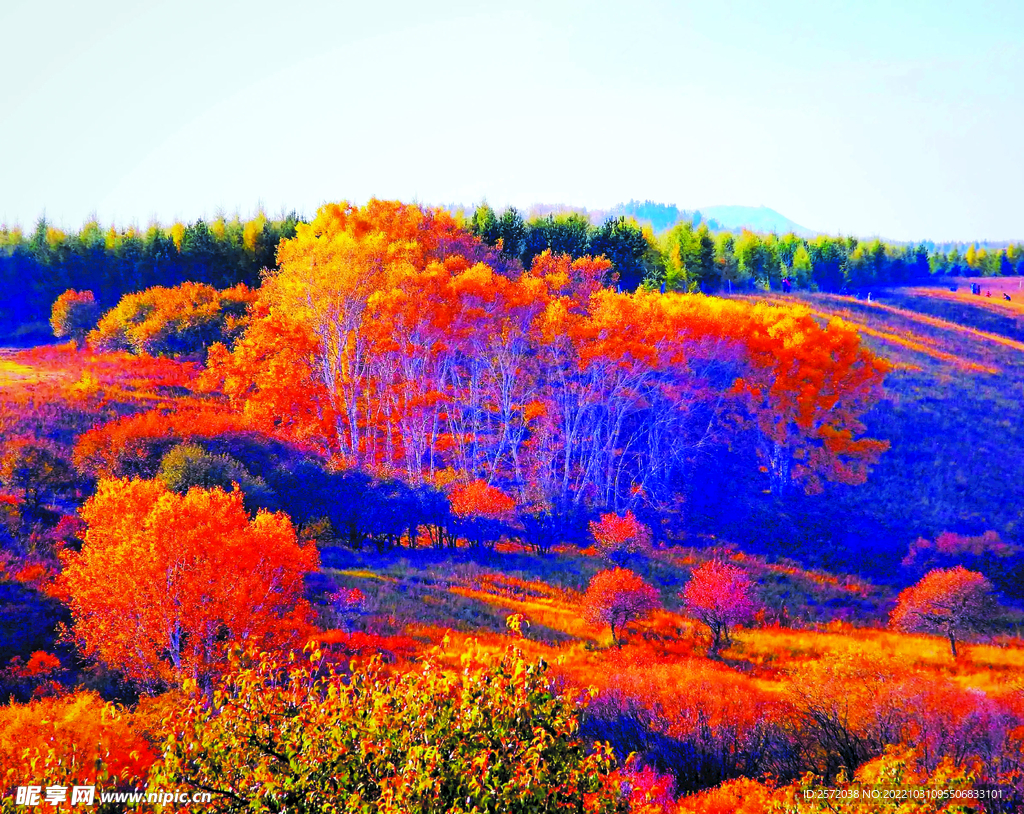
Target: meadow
x=719 y=535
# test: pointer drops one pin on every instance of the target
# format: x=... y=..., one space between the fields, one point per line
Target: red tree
x=617 y=597
x=947 y=601
x=481 y=511
x=614 y=533
x=719 y=595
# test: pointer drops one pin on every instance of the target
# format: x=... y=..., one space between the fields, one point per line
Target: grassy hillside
x=953 y=418
x=696 y=718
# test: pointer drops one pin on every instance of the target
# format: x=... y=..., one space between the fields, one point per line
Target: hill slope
x=754 y=218
x=952 y=417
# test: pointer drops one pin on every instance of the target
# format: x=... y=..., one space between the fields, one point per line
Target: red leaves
x=620 y=533
x=134 y=444
x=70 y=740
x=719 y=595
x=478 y=499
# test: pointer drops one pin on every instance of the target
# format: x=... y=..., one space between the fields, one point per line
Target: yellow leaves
x=177 y=234
x=252 y=231
x=54 y=236
x=514 y=622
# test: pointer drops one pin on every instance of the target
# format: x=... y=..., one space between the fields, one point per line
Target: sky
x=900 y=119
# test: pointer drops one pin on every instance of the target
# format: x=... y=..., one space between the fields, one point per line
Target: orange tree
x=163 y=579
x=805 y=389
x=617 y=597
x=76 y=739
x=74 y=314
x=947 y=601
x=300 y=737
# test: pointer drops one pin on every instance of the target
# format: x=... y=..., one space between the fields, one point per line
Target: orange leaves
x=134 y=445
x=75 y=739
x=269 y=378
x=394 y=337
x=806 y=388
x=617 y=597
x=74 y=314
x=479 y=499
x=163 y=579
x=185 y=319
x=576 y=280
x=947 y=601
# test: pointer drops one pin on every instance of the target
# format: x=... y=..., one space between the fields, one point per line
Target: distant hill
x=718 y=218
x=754 y=218
x=662 y=217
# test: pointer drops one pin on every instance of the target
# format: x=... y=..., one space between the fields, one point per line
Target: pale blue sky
x=902 y=119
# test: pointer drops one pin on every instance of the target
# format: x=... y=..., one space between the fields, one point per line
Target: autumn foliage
x=186 y=319
x=164 y=580
x=74 y=314
x=398 y=383
x=419 y=353
x=76 y=739
x=481 y=511
x=487 y=738
x=952 y=602
x=721 y=596
x=617 y=597
x=614 y=533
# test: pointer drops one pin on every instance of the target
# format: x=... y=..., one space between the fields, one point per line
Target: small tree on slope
x=947 y=601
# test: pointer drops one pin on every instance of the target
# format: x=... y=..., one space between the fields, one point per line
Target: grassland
x=952 y=415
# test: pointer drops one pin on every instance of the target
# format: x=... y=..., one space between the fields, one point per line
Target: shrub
x=491 y=737
x=74 y=314
x=78 y=739
x=36 y=468
x=189 y=465
x=186 y=319
x=614 y=533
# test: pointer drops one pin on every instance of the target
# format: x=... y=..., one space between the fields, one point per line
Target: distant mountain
x=754 y=218
x=662 y=217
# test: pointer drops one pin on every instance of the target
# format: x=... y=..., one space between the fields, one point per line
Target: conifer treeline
x=36 y=267
x=694 y=257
